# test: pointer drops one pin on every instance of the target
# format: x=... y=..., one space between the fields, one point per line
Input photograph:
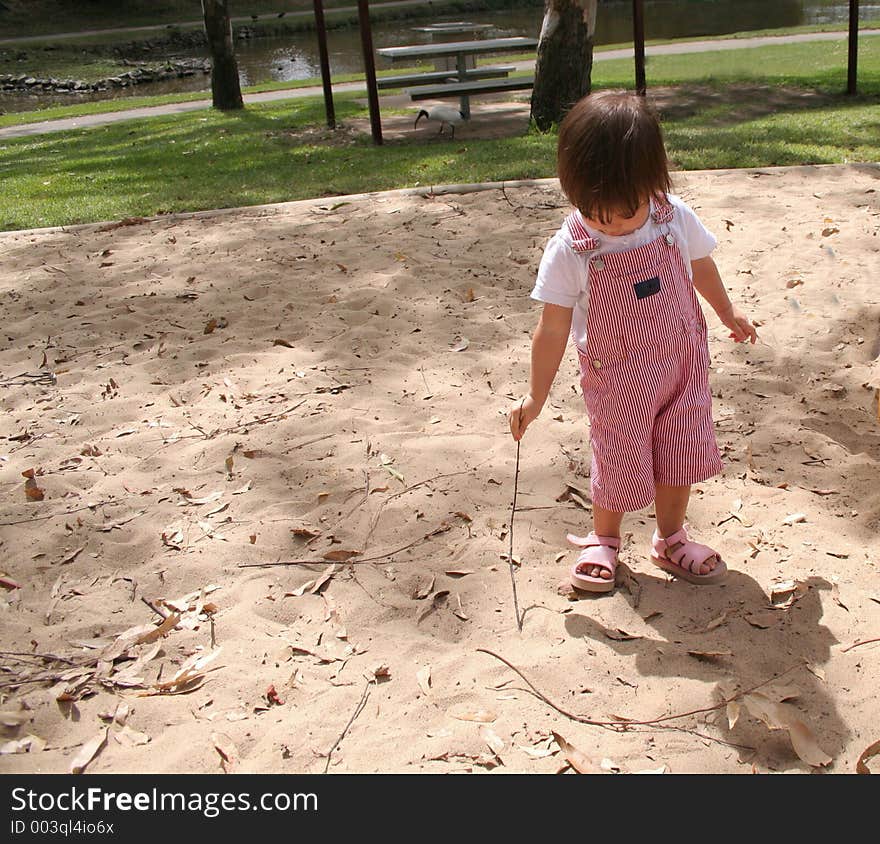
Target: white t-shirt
x=563 y=275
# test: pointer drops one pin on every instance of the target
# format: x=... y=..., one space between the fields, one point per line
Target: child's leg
x=671 y=507
x=605 y=523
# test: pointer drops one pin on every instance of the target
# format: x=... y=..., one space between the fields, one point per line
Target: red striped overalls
x=644 y=374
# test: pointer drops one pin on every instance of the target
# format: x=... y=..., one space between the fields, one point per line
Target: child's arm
x=708 y=284
x=548 y=347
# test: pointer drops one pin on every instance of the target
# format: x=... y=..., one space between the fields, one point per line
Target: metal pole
x=852 y=64
x=370 y=69
x=639 y=45
x=321 y=28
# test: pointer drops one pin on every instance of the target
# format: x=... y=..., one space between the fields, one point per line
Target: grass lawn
x=277 y=151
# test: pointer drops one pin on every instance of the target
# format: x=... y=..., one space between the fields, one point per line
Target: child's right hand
x=521 y=415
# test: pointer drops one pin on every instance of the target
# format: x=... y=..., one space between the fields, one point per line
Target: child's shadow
x=731 y=632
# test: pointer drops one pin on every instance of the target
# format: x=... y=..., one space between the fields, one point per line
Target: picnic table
x=461 y=82
x=438 y=33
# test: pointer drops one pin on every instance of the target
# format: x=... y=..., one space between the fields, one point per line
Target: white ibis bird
x=444 y=115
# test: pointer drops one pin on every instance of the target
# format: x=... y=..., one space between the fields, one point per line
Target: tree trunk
x=565 y=59
x=225 y=88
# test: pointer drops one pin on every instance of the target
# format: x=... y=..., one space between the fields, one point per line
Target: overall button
x=670 y=239
x=598 y=263
x=597 y=364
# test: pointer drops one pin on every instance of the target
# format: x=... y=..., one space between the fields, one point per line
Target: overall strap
x=580 y=239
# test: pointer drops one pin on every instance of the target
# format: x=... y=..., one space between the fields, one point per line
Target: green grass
x=827 y=59
x=818 y=64
x=276 y=152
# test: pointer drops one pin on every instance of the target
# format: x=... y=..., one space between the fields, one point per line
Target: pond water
x=295 y=56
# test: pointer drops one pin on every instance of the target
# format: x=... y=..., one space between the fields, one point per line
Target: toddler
x=619 y=277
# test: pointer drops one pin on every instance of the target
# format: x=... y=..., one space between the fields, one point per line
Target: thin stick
x=510 y=562
x=153 y=608
x=357 y=711
x=391 y=497
x=442 y=529
x=34 y=656
x=856 y=644
x=625 y=722
x=63 y=513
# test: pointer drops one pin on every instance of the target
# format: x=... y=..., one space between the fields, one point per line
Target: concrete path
x=268 y=96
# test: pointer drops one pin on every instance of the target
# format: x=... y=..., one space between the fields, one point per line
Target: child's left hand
x=740 y=327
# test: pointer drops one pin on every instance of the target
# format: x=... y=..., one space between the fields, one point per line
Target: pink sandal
x=679 y=556
x=598 y=551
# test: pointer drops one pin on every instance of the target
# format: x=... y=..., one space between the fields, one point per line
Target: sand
x=198 y=395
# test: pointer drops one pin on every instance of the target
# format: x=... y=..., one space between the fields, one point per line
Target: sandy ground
x=327 y=382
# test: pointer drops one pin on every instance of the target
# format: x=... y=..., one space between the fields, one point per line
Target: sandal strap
x=601 y=556
x=593 y=540
x=688 y=555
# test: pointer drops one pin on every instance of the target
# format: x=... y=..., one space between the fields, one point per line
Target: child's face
x=621 y=223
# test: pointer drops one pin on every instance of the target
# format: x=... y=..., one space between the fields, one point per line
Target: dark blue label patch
x=647 y=288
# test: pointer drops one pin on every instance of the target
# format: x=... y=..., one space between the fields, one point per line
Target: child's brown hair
x=610 y=156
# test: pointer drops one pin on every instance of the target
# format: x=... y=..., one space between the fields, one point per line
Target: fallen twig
x=622 y=723
x=510 y=561
x=857 y=644
x=357 y=711
x=404 y=491
x=63 y=513
x=442 y=529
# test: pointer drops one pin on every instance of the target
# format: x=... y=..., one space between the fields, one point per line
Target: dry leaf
x=89 y=751
x=538 y=752
x=733 y=710
x=709 y=656
x=189 y=676
x=868 y=753
x=835 y=595
x=481 y=716
x=619 y=635
x=459 y=612
x=381 y=671
x=459 y=572
x=173 y=537
x=782 y=716
x=131 y=738
x=34 y=744
x=324 y=579
x=341 y=556
x=579 y=761
x=423 y=675
x=32 y=491
x=188 y=499
x=300 y=591
x=762 y=620
x=72 y=555
x=435 y=600
x=227 y=750
x=424 y=591
x=492 y=739
x=306 y=533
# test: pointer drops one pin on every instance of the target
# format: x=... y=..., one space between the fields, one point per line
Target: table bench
x=460 y=89
x=463 y=86
x=439 y=76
